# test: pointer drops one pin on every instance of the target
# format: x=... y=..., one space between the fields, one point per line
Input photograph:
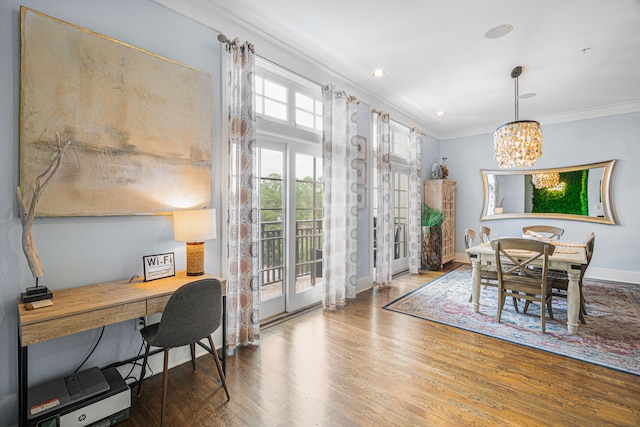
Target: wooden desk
x=88 y=307
x=572 y=263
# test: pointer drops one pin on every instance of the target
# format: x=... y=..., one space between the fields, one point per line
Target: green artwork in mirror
x=569 y=197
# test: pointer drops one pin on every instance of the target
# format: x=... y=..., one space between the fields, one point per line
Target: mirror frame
x=605 y=188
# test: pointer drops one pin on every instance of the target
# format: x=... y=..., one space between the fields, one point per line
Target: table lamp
x=194 y=227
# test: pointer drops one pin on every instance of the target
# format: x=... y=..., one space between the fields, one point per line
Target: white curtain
x=339 y=198
x=243 y=325
x=415 y=200
x=384 y=216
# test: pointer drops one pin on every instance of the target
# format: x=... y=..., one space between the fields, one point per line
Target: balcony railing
x=308 y=245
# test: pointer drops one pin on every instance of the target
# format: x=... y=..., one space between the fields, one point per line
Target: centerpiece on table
x=431 y=220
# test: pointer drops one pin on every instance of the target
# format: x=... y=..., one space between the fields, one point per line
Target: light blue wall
x=79 y=251
x=567 y=144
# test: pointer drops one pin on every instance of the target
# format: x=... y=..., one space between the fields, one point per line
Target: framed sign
x=158 y=266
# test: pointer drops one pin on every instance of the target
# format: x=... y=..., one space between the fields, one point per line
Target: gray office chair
x=192 y=313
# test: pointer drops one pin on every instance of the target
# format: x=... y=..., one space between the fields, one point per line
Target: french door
x=400 y=236
x=290 y=257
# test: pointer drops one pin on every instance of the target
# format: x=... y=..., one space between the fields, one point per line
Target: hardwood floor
x=365 y=366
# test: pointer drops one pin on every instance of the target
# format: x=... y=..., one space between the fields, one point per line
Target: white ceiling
x=437 y=59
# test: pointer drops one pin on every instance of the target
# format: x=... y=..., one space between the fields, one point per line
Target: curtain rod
x=415 y=128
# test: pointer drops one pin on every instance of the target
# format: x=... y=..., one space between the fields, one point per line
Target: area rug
x=611 y=337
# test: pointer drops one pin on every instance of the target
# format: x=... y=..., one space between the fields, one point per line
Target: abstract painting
x=140 y=126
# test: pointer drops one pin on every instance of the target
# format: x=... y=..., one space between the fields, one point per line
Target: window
x=399 y=140
x=271 y=99
x=288 y=100
x=308 y=112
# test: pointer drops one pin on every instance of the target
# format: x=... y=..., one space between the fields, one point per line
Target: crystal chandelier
x=545 y=180
x=517 y=143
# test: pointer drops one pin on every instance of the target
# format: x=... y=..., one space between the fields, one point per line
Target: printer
x=93 y=397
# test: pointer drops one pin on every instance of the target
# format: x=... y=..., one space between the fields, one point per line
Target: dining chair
x=559 y=280
x=514 y=257
x=488 y=274
x=547 y=231
x=485 y=234
x=192 y=313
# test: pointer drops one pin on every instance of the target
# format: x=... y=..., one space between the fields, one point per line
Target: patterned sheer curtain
x=384 y=218
x=415 y=200
x=339 y=198
x=243 y=324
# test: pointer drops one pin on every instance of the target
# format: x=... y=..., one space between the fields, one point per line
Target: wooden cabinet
x=441 y=194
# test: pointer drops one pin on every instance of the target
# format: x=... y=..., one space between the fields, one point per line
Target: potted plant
x=431 y=220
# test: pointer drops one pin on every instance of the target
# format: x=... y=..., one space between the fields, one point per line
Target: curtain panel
x=385 y=237
x=415 y=200
x=243 y=324
x=339 y=198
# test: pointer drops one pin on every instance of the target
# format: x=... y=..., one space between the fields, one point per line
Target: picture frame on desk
x=159 y=266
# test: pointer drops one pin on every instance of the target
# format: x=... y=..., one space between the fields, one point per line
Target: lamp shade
x=194 y=225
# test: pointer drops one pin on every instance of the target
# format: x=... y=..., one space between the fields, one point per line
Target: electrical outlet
x=139 y=323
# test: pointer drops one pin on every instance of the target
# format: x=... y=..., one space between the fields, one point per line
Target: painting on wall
x=140 y=126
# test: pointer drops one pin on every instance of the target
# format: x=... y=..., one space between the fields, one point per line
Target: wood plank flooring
x=365 y=366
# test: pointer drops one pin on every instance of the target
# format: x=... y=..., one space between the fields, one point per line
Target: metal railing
x=308 y=250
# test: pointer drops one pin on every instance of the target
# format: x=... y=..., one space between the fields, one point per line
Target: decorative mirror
x=580 y=193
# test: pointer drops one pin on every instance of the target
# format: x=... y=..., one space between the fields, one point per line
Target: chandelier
x=517 y=143
x=545 y=180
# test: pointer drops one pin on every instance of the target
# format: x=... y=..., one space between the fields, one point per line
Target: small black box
x=36 y=297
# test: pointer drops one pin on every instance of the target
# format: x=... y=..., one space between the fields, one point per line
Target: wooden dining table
x=568 y=256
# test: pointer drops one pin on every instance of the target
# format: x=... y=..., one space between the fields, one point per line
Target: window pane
x=304 y=119
x=319 y=108
x=259 y=101
x=304 y=167
x=258 y=83
x=275 y=91
x=304 y=102
x=275 y=109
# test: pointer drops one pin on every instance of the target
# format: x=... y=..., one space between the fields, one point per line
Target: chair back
x=546 y=231
x=192 y=313
x=469 y=238
x=590 y=244
x=515 y=258
x=485 y=234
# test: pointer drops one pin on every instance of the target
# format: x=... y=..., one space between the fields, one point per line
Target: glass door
x=290 y=258
x=306 y=232
x=273 y=237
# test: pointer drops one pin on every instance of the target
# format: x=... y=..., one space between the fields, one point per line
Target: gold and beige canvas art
x=139 y=125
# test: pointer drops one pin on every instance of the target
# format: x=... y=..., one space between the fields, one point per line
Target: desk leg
x=22 y=383
x=475 y=284
x=224 y=334
x=573 y=300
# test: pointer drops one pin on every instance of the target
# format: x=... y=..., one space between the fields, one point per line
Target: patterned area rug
x=611 y=337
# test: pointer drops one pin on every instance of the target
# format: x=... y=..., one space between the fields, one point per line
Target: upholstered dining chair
x=547 y=231
x=192 y=313
x=515 y=277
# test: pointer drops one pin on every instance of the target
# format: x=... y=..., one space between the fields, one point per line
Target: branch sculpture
x=28 y=215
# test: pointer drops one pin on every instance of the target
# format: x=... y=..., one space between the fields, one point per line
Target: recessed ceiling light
x=440 y=113
x=527 y=95
x=499 y=31
x=378 y=73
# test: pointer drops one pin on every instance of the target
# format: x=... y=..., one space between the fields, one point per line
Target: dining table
x=568 y=256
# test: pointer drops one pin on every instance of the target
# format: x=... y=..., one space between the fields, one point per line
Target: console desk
x=93 y=306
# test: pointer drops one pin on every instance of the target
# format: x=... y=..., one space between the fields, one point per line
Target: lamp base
x=195 y=258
